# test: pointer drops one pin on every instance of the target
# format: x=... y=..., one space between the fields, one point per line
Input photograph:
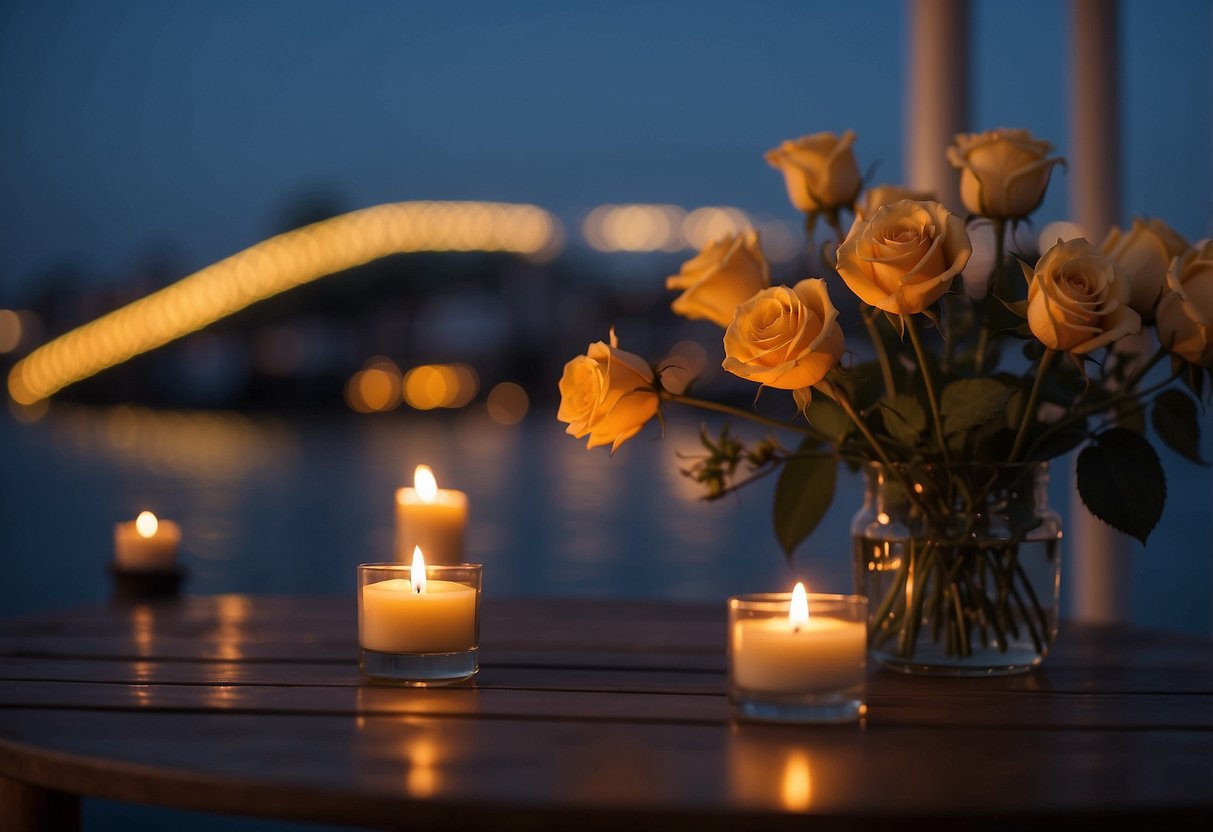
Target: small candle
x=146 y=544
x=430 y=517
x=417 y=614
x=799 y=653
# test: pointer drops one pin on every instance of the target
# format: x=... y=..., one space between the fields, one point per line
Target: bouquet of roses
x=1043 y=356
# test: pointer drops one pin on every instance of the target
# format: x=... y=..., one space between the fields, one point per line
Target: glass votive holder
x=421 y=629
x=785 y=667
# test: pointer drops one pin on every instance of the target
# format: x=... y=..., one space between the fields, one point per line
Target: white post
x=1101 y=556
x=937 y=98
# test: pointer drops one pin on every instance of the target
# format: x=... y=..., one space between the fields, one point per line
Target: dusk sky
x=124 y=125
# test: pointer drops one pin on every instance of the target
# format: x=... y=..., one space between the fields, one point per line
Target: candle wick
x=796 y=629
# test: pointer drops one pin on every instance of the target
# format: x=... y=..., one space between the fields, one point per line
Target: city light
x=273 y=266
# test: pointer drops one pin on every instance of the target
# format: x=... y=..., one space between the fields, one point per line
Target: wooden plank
x=532 y=697
x=516 y=774
x=625 y=672
x=28 y=808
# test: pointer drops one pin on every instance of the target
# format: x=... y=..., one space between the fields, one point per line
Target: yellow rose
x=883 y=195
x=607 y=394
x=819 y=170
x=719 y=278
x=785 y=337
x=1144 y=252
x=903 y=259
x=1185 y=313
x=1004 y=172
x=1078 y=299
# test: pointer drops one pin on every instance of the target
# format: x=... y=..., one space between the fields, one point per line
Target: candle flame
x=425 y=484
x=146 y=524
x=417 y=572
x=798 y=612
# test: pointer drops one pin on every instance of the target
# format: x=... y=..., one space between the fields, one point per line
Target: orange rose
x=607 y=394
x=720 y=277
x=785 y=337
x=1004 y=172
x=819 y=170
x=1078 y=299
x=1185 y=313
x=904 y=258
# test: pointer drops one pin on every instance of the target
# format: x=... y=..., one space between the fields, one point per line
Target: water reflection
x=285 y=506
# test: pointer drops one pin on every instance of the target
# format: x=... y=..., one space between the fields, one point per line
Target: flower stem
x=704 y=404
x=929 y=381
x=882 y=356
x=983 y=336
x=1029 y=412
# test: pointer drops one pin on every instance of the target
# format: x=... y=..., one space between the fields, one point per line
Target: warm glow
x=508 y=403
x=10 y=330
x=417 y=572
x=425 y=483
x=797 y=782
x=273 y=266
x=146 y=524
x=798 y=612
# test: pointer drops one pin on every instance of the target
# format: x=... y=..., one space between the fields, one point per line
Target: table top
x=593 y=713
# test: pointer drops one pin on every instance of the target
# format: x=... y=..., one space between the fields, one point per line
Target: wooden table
x=586 y=715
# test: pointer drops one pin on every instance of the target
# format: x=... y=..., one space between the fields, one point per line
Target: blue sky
x=128 y=124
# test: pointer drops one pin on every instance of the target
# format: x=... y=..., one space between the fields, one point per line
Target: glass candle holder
x=785 y=667
x=419 y=628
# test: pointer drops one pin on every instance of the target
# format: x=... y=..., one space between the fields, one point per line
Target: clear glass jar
x=961 y=565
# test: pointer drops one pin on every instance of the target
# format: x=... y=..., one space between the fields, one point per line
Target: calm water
x=273 y=506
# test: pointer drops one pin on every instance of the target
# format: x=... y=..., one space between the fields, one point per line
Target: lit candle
x=417 y=614
x=430 y=517
x=798 y=653
x=146 y=544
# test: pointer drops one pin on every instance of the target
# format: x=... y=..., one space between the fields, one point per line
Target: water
x=1009 y=607
x=269 y=505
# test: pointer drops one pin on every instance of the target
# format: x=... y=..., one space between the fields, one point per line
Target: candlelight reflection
x=797 y=781
x=142 y=621
x=423 y=774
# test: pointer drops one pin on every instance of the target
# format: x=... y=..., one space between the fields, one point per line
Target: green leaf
x=1177 y=423
x=829 y=418
x=970 y=402
x=1062 y=441
x=802 y=497
x=904 y=419
x=1122 y=482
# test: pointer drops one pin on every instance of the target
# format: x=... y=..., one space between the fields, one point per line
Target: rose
x=1144 y=252
x=607 y=394
x=883 y=195
x=904 y=258
x=1004 y=172
x=1185 y=313
x=727 y=272
x=819 y=170
x=785 y=337
x=1078 y=299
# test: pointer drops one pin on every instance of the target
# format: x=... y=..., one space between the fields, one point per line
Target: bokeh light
x=273 y=266
x=508 y=403
x=375 y=388
x=10 y=330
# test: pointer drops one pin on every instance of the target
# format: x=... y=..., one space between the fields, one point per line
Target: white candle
x=417 y=615
x=430 y=517
x=802 y=653
x=146 y=544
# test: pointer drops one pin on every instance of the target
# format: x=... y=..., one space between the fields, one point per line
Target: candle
x=146 y=544
x=799 y=653
x=417 y=614
x=430 y=517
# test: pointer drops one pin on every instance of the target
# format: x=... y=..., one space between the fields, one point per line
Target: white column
x=1102 y=558
x=937 y=98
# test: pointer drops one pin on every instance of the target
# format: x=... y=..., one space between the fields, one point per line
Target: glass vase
x=961 y=566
